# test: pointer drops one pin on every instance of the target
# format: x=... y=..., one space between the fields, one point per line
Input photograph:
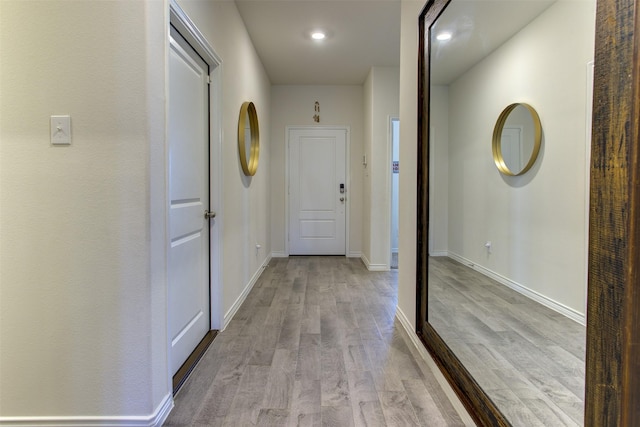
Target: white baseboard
x=365 y=260
x=444 y=384
x=439 y=253
x=156 y=419
x=279 y=255
x=373 y=267
x=529 y=293
x=352 y=254
x=243 y=296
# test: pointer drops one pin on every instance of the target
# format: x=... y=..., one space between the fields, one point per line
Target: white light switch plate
x=61 y=130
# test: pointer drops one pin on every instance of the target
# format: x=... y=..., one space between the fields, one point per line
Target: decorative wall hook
x=316 y=117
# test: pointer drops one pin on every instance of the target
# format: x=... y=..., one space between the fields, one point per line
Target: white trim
x=354 y=254
x=347 y=172
x=279 y=254
x=188 y=30
x=439 y=253
x=373 y=267
x=523 y=290
x=378 y=267
x=444 y=384
x=216 y=177
x=245 y=292
x=156 y=419
x=389 y=179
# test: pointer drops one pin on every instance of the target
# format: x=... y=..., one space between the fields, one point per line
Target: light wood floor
x=528 y=358
x=314 y=344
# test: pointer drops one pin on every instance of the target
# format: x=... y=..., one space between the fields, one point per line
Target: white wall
x=536 y=222
x=410 y=10
x=439 y=171
x=366 y=174
x=246 y=211
x=294 y=106
x=82 y=283
x=82 y=248
x=381 y=103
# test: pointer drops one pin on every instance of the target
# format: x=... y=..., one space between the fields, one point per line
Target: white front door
x=189 y=317
x=317 y=191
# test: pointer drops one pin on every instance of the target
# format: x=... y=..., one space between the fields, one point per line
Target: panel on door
x=189 y=317
x=317 y=191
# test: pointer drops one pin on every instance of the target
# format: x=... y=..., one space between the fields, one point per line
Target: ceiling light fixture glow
x=318 y=35
x=443 y=36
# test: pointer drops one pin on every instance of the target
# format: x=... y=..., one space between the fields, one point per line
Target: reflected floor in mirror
x=529 y=359
x=316 y=343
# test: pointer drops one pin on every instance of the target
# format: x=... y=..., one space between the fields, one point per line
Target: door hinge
x=209 y=81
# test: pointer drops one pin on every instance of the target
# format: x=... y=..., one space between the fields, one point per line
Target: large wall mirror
x=503 y=265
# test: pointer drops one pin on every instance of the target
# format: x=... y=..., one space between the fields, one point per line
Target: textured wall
x=382 y=85
x=535 y=222
x=293 y=106
x=408 y=155
x=81 y=250
x=245 y=213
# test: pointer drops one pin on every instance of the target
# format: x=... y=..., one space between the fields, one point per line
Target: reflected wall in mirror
x=517 y=137
x=507 y=270
x=248 y=138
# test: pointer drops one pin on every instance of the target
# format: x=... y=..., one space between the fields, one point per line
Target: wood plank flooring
x=314 y=344
x=529 y=359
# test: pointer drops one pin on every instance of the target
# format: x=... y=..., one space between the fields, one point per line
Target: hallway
x=315 y=344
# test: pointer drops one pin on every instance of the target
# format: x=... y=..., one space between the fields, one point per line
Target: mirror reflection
x=507 y=268
x=247 y=138
x=516 y=139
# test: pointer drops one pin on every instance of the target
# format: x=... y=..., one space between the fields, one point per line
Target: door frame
x=390 y=174
x=347 y=174
x=188 y=30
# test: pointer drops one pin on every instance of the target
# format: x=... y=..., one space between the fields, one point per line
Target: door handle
x=209 y=214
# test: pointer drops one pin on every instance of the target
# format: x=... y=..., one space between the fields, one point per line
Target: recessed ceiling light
x=443 y=36
x=318 y=35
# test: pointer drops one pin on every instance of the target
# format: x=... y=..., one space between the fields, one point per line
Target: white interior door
x=189 y=304
x=317 y=191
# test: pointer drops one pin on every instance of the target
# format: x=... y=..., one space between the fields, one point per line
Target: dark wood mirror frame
x=612 y=384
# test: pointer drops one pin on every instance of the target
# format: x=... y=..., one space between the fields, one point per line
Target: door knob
x=209 y=214
x=342 y=199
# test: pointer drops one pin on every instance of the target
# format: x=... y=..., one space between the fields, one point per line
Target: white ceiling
x=366 y=33
x=478 y=28
x=360 y=34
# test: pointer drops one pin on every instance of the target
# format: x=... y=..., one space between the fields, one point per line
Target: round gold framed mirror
x=248 y=138
x=517 y=137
